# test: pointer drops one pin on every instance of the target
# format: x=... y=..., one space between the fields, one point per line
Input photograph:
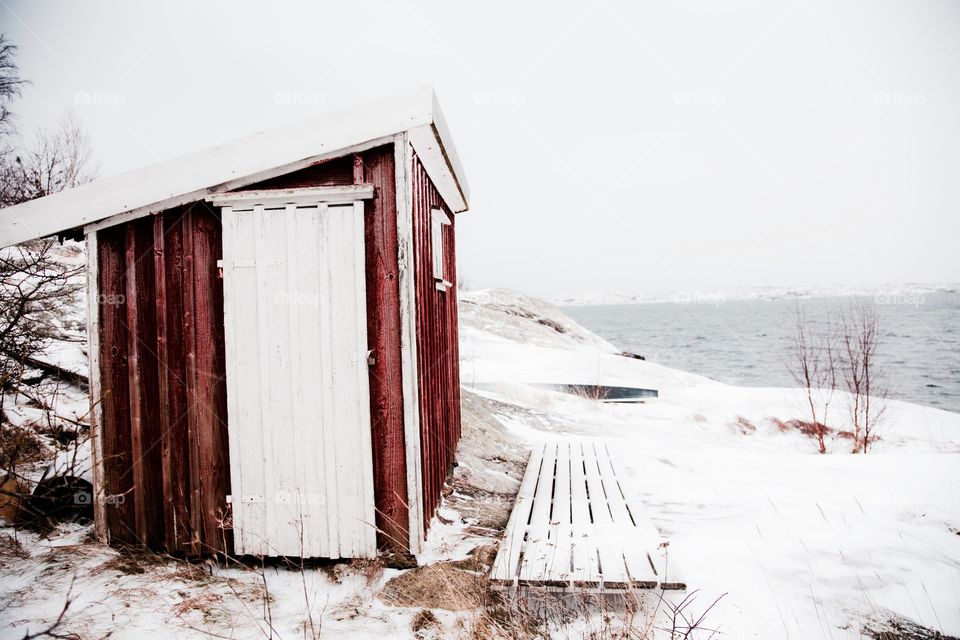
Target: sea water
x=746 y=342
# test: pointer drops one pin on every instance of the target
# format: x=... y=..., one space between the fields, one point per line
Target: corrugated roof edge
x=230 y=165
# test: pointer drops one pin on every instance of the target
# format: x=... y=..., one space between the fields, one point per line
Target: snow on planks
x=575 y=525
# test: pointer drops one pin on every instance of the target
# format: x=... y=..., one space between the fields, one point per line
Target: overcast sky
x=608 y=145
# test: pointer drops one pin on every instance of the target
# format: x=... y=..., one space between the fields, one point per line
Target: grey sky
x=609 y=145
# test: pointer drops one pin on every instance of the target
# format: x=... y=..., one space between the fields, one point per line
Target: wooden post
x=94 y=385
x=357 y=168
x=408 y=341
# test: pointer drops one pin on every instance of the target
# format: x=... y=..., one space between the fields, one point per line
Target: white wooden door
x=298 y=394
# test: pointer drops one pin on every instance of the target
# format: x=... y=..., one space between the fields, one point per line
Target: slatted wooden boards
x=576 y=524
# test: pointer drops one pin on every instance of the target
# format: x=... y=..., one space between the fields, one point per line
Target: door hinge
x=371 y=358
x=220 y=269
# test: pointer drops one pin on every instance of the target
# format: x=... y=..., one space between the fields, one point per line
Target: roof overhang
x=238 y=163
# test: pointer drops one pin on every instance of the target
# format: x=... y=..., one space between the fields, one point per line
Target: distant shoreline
x=890 y=294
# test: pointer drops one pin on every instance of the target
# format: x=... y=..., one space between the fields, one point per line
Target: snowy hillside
x=803 y=545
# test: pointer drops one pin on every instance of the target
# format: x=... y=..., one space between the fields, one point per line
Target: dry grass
x=423 y=622
x=205 y=602
x=10 y=548
x=744 y=426
x=479 y=559
x=436 y=586
x=20 y=445
x=810 y=430
x=132 y=562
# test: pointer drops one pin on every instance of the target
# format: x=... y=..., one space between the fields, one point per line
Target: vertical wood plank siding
x=383 y=333
x=438 y=360
x=162 y=381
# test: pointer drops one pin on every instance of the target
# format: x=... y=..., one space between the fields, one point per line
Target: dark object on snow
x=392 y=560
x=604 y=392
x=630 y=354
x=59 y=499
x=48 y=368
x=11 y=499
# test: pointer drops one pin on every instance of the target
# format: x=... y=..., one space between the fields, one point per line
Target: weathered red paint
x=438 y=362
x=162 y=381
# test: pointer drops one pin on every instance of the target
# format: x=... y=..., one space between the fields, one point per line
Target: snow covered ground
x=803 y=545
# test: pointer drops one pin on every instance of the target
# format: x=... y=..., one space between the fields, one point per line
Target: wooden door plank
x=362 y=343
x=339 y=255
x=301 y=375
x=261 y=461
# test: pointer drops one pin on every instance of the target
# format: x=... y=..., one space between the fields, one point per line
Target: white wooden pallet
x=575 y=524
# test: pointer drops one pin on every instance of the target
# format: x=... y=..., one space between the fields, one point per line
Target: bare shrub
x=11 y=84
x=424 y=620
x=685 y=623
x=56 y=160
x=36 y=290
x=36 y=286
x=859 y=340
x=812 y=363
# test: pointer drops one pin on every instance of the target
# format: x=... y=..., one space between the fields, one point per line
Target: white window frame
x=438 y=219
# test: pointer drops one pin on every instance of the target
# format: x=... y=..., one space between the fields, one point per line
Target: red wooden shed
x=273 y=335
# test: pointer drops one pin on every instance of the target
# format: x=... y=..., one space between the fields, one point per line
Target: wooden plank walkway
x=576 y=525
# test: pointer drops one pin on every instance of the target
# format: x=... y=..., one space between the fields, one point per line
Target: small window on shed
x=439 y=220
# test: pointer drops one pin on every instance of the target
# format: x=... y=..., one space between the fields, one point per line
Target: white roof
x=247 y=160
